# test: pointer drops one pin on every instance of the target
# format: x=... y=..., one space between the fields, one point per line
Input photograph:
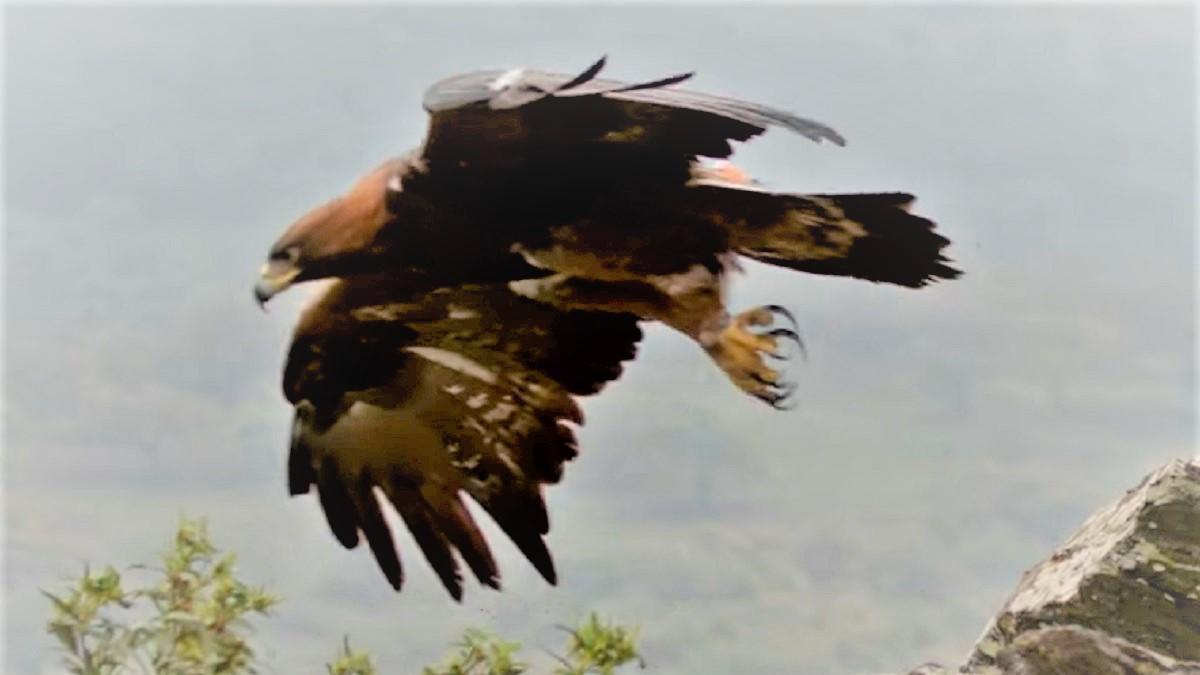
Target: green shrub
x=194 y=619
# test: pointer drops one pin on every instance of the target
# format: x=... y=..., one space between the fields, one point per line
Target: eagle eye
x=290 y=254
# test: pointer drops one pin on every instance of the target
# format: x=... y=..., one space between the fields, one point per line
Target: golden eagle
x=500 y=270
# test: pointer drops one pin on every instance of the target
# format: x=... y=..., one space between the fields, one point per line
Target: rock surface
x=1122 y=596
x=1072 y=650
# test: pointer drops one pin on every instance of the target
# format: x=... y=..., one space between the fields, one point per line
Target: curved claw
x=764 y=380
x=785 y=402
x=794 y=337
x=778 y=396
x=785 y=312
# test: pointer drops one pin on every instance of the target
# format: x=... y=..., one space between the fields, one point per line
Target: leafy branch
x=194 y=618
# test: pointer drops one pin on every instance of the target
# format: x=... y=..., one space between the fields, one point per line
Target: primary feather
x=423 y=395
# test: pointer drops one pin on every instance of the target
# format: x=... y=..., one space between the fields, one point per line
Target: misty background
x=945 y=439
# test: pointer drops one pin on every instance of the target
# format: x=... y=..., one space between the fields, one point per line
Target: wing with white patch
x=501 y=120
x=417 y=398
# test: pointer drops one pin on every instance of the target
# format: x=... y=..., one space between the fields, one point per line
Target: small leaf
x=65 y=634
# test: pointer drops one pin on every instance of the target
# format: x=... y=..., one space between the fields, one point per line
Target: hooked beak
x=274 y=277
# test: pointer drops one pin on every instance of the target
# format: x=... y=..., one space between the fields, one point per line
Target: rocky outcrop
x=1122 y=596
x=1073 y=650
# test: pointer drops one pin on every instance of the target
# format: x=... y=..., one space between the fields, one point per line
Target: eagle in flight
x=485 y=280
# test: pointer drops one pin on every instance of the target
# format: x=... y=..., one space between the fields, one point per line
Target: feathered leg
x=752 y=348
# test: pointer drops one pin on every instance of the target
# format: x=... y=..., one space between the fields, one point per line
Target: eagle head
x=335 y=239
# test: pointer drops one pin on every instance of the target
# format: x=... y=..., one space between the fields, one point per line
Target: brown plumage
x=488 y=278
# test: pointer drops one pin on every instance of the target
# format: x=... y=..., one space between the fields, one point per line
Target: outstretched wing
x=500 y=120
x=420 y=397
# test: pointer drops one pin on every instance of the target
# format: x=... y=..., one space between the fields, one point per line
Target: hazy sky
x=945 y=439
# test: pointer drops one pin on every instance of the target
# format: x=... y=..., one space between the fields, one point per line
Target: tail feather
x=865 y=236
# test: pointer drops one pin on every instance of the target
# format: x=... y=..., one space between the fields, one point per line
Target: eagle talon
x=750 y=352
x=768 y=380
x=779 y=397
x=792 y=336
x=785 y=312
x=785 y=402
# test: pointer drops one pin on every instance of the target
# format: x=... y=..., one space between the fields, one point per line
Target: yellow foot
x=748 y=347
